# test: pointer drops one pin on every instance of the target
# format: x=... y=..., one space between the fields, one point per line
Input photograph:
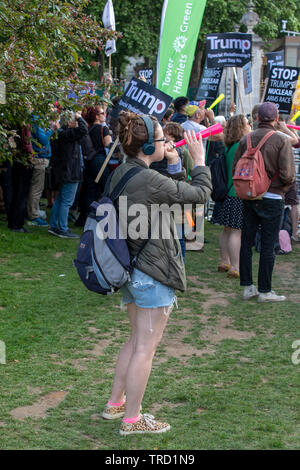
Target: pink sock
x=131 y=420
x=117 y=404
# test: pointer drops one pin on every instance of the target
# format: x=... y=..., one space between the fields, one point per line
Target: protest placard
x=228 y=49
x=209 y=85
x=281 y=87
x=274 y=58
x=147 y=74
x=247 y=77
x=141 y=98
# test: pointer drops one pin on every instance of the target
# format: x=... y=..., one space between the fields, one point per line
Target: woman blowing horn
x=159 y=267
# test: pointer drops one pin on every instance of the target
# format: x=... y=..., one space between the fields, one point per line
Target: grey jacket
x=160 y=257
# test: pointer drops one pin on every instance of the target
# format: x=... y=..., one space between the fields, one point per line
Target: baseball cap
x=267 y=112
x=190 y=109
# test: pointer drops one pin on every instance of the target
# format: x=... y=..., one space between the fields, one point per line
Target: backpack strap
x=121 y=184
x=249 y=144
x=264 y=139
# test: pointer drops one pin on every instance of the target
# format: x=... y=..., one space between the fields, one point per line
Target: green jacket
x=161 y=257
x=230 y=153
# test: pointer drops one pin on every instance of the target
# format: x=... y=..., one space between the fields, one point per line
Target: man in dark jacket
x=67 y=169
x=19 y=182
x=180 y=115
x=267 y=212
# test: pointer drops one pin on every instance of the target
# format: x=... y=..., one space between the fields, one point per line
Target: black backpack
x=219 y=178
x=88 y=150
x=87 y=146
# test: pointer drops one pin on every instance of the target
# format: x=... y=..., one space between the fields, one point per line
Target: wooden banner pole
x=232 y=85
x=265 y=89
x=109 y=65
x=106 y=160
x=250 y=101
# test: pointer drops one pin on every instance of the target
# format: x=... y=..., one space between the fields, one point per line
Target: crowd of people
x=65 y=168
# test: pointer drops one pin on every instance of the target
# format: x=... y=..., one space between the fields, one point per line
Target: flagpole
x=250 y=101
x=265 y=89
x=240 y=97
x=232 y=85
x=239 y=90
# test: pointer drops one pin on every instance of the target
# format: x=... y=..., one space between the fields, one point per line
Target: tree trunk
x=196 y=69
x=101 y=60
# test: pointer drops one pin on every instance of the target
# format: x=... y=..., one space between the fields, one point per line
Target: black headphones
x=149 y=146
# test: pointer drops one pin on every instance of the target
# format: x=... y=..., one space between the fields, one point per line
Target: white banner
x=108 y=19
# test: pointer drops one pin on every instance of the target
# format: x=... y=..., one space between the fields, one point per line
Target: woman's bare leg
x=125 y=354
x=223 y=244
x=234 y=246
x=150 y=325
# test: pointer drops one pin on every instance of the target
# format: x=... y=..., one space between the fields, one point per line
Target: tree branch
x=8 y=24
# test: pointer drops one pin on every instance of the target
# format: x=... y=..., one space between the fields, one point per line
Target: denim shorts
x=146 y=292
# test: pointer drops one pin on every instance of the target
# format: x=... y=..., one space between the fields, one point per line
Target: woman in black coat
x=67 y=170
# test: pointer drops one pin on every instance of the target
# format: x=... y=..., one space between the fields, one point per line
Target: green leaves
x=39 y=45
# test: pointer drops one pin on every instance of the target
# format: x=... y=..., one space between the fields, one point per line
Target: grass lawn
x=223 y=376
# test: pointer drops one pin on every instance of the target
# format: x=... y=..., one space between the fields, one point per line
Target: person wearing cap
x=280 y=166
x=195 y=116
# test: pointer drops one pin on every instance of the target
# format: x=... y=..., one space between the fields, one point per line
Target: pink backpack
x=285 y=241
x=250 y=178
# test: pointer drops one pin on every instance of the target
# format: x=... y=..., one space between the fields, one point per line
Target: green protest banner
x=180 y=25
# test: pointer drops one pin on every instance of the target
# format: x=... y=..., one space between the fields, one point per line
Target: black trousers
x=20 y=177
x=91 y=191
x=268 y=214
x=6 y=185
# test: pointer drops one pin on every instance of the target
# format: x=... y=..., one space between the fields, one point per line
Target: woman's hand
x=195 y=147
x=171 y=153
x=55 y=125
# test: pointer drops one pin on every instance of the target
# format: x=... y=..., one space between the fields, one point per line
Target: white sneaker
x=295 y=239
x=250 y=292
x=270 y=297
x=42 y=214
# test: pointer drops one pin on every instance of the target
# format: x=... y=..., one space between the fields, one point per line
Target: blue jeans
x=267 y=213
x=180 y=234
x=146 y=292
x=61 y=206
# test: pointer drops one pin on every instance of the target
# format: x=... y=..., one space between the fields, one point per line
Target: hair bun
x=132 y=132
x=125 y=117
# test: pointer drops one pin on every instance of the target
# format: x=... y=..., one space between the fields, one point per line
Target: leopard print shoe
x=145 y=425
x=113 y=412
